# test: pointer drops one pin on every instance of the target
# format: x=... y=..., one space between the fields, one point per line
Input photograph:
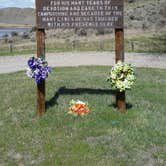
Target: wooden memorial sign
x=52 y=14
x=79 y=13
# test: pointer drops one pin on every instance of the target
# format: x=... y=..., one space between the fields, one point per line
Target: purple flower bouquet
x=38 y=69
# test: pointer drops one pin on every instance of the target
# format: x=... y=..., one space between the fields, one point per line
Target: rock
x=25 y=35
x=131 y=17
x=18 y=157
x=81 y=32
x=161 y=23
x=131 y=1
x=163 y=11
x=100 y=31
x=150 y=15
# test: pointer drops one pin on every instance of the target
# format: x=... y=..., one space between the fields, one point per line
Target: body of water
x=7 y=31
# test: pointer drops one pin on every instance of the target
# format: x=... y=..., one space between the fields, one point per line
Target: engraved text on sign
x=79 y=13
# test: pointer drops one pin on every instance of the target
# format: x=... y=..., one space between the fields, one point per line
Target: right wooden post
x=119 y=51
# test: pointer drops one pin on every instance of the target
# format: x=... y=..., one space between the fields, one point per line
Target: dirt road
x=10 y=64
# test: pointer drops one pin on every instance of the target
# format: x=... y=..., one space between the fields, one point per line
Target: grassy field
x=68 y=41
x=102 y=138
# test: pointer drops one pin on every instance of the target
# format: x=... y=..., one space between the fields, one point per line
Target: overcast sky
x=17 y=3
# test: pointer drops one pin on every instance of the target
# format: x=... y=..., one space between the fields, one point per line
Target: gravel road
x=10 y=64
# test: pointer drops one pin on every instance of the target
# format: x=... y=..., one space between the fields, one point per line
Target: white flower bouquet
x=122 y=76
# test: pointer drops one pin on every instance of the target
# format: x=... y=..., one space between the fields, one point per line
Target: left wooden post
x=41 y=87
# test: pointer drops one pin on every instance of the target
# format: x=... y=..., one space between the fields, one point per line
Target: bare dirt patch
x=10 y=64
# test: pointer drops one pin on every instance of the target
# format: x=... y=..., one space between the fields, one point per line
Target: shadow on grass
x=128 y=105
x=66 y=91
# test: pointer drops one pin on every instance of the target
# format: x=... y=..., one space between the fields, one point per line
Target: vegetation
x=5 y=25
x=103 y=137
x=144 y=23
x=134 y=43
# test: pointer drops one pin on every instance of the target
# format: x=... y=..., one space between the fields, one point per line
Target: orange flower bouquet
x=78 y=108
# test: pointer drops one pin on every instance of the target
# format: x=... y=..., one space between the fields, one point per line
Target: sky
x=17 y=3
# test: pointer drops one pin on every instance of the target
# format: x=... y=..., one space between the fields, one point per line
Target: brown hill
x=139 y=14
x=17 y=16
x=146 y=15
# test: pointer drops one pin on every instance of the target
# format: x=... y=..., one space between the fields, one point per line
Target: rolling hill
x=139 y=14
x=15 y=15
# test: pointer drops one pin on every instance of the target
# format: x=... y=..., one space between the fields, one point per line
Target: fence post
x=10 y=46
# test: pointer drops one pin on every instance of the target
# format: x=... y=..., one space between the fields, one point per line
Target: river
x=7 y=31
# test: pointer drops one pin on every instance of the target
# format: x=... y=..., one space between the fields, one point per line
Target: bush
x=81 y=32
x=14 y=33
x=25 y=35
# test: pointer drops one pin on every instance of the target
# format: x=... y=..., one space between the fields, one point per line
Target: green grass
x=102 y=138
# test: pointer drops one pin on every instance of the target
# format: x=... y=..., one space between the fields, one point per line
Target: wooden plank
x=119 y=44
x=41 y=86
x=119 y=51
x=79 y=14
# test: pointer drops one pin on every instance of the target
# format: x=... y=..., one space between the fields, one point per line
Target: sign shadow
x=128 y=105
x=76 y=91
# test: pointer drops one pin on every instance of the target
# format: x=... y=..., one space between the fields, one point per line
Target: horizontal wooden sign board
x=52 y=14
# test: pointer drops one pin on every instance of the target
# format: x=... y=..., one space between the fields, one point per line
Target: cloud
x=17 y=3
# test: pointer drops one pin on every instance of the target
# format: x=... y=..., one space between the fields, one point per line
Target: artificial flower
x=78 y=108
x=38 y=69
x=122 y=76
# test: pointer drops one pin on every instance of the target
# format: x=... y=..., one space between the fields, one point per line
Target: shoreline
x=6 y=25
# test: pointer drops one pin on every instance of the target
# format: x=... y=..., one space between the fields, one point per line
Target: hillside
x=146 y=15
x=139 y=14
x=17 y=15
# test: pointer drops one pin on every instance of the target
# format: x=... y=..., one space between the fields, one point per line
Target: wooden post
x=119 y=50
x=41 y=86
x=11 y=47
